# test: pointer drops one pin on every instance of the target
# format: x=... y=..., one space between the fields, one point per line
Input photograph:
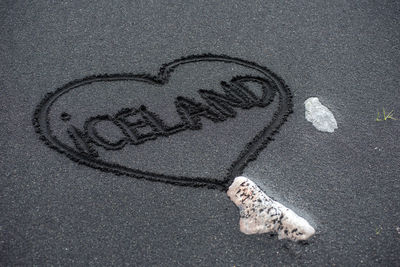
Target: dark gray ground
x=54 y=211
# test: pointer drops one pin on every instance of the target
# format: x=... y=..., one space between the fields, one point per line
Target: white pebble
x=319 y=115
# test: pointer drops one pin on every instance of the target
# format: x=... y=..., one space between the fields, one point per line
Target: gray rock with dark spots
x=261 y=214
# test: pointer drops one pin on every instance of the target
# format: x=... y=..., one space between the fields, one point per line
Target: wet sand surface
x=346 y=184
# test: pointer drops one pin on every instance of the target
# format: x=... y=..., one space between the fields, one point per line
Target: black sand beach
x=56 y=211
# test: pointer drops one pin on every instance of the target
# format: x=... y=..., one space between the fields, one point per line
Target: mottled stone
x=260 y=214
x=319 y=115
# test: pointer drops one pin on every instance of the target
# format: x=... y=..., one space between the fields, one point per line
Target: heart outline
x=249 y=153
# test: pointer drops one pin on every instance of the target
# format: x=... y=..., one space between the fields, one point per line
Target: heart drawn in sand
x=137 y=125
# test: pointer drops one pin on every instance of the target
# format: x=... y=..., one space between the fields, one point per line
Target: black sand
x=57 y=212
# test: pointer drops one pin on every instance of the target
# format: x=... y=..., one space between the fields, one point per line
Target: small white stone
x=319 y=115
x=260 y=214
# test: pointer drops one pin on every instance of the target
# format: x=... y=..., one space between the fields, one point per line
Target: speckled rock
x=260 y=214
x=319 y=115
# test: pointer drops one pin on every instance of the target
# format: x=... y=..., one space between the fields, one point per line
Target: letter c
x=95 y=137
